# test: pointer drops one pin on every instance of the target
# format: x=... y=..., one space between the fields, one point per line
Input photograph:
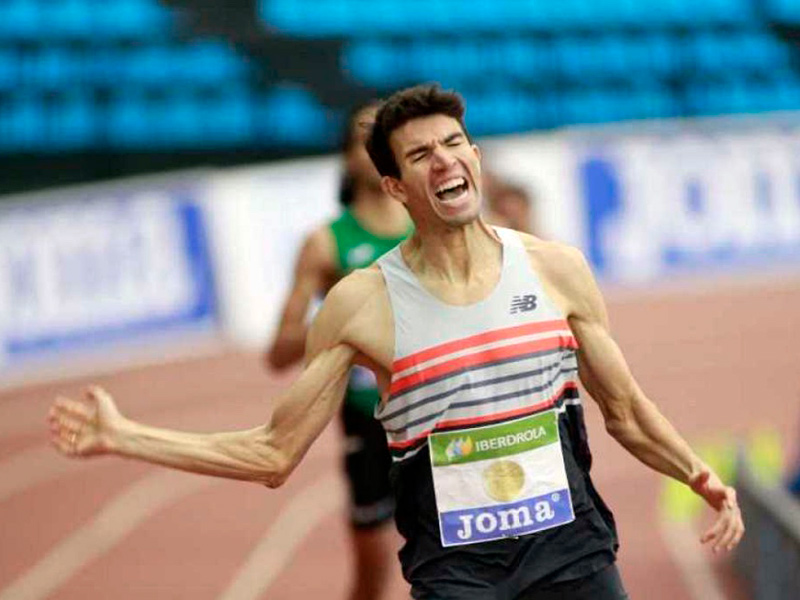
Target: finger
x=63 y=446
x=64 y=407
x=727 y=534
x=71 y=422
x=737 y=538
x=731 y=521
x=713 y=532
x=76 y=408
x=98 y=394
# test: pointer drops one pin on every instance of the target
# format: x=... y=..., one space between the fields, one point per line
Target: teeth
x=450 y=183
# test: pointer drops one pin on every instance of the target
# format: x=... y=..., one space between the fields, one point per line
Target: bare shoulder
x=556 y=260
x=564 y=272
x=356 y=312
x=357 y=289
x=319 y=249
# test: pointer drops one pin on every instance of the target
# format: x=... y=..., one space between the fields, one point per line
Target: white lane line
x=113 y=523
x=683 y=544
x=292 y=526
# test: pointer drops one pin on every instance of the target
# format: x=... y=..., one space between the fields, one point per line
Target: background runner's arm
x=265 y=454
x=311 y=273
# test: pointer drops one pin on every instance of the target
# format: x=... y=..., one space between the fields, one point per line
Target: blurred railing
x=769 y=554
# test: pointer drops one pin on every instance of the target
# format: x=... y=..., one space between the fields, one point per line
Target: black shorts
x=367 y=462
x=604 y=584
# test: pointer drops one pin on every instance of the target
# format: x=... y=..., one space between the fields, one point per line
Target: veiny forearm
x=652 y=439
x=243 y=455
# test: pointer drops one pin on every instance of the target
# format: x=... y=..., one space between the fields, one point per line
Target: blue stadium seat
x=593 y=58
x=68 y=19
x=782 y=11
x=723 y=12
x=130 y=19
x=129 y=123
x=20 y=20
x=738 y=95
x=526 y=59
x=71 y=122
x=229 y=117
x=104 y=66
x=209 y=62
x=373 y=62
x=27 y=123
x=650 y=102
x=180 y=120
x=707 y=53
x=502 y=109
x=751 y=52
x=761 y=51
x=47 y=68
x=9 y=69
x=291 y=115
x=650 y=55
x=602 y=105
x=152 y=65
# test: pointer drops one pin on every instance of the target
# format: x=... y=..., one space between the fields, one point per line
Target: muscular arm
x=266 y=454
x=312 y=273
x=630 y=416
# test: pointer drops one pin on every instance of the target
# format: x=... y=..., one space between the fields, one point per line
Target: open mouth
x=452 y=189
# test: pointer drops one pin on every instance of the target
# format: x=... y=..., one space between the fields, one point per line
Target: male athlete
x=371 y=224
x=477 y=337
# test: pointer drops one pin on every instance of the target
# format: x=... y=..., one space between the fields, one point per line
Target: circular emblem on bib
x=503 y=480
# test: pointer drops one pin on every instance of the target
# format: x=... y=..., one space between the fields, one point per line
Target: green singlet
x=357 y=248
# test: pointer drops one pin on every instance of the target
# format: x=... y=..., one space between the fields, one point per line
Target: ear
x=394 y=188
x=476 y=149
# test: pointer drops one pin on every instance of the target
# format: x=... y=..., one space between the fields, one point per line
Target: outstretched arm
x=630 y=416
x=264 y=454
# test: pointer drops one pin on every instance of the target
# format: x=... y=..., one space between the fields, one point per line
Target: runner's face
x=359 y=164
x=439 y=170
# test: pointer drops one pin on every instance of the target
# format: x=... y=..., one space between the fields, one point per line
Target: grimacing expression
x=439 y=170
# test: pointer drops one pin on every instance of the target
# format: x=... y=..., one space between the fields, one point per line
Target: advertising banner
x=689 y=201
x=84 y=267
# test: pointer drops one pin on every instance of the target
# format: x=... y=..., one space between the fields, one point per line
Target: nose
x=441 y=158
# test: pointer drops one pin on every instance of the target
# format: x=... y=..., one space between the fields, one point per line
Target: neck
x=456 y=254
x=378 y=213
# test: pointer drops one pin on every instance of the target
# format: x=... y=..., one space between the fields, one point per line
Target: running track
x=720 y=360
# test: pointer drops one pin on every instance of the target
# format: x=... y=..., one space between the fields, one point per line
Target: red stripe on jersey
x=487 y=419
x=486 y=337
x=488 y=356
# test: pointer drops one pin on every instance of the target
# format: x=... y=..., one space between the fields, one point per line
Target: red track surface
x=722 y=361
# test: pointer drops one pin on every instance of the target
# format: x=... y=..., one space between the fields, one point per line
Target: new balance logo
x=524 y=303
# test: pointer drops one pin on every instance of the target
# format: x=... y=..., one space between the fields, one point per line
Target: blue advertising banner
x=659 y=205
x=85 y=268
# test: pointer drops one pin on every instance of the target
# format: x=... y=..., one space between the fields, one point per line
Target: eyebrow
x=422 y=147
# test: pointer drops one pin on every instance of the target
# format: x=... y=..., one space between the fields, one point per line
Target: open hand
x=85 y=427
x=728 y=529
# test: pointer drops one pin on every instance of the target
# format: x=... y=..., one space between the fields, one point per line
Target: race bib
x=498 y=481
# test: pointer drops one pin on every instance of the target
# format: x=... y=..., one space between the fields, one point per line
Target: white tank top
x=509 y=355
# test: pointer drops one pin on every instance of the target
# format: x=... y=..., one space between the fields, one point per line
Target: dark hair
x=400 y=108
x=352 y=122
x=347 y=191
